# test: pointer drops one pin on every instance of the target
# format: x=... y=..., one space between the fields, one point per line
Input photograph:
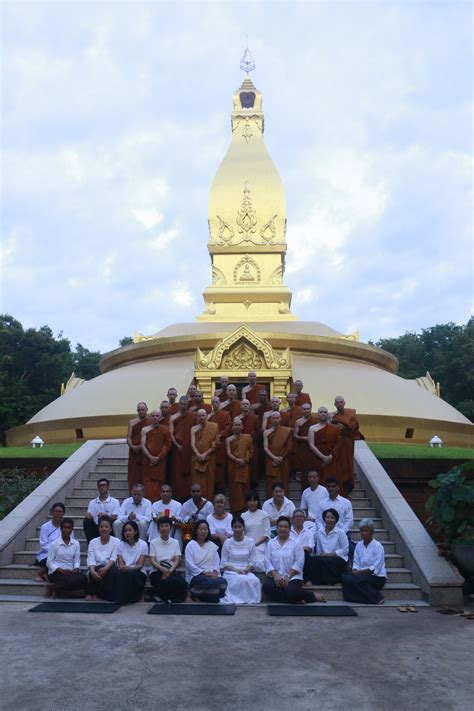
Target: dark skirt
x=362 y=588
x=68 y=584
x=207 y=589
x=129 y=586
x=173 y=589
x=292 y=594
x=327 y=569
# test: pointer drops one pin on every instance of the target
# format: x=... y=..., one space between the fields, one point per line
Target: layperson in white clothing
x=203 y=566
x=165 y=556
x=101 y=558
x=284 y=561
x=49 y=531
x=313 y=496
x=303 y=532
x=343 y=507
x=257 y=527
x=332 y=551
x=278 y=506
x=135 y=508
x=237 y=562
x=103 y=505
x=197 y=508
x=368 y=569
x=220 y=522
x=132 y=553
x=64 y=561
x=166 y=506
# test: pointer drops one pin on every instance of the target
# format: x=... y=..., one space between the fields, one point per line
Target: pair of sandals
x=445 y=610
x=407 y=608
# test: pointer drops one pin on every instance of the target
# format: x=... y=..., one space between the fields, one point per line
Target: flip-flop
x=403 y=608
x=468 y=615
x=412 y=608
x=449 y=610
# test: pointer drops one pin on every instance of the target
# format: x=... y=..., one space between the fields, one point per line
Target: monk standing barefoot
x=304 y=456
x=323 y=439
x=277 y=443
x=155 y=443
x=239 y=449
x=134 y=434
x=181 y=454
x=223 y=422
x=250 y=392
x=346 y=420
x=204 y=441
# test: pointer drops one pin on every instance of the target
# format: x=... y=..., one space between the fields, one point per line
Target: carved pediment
x=243 y=350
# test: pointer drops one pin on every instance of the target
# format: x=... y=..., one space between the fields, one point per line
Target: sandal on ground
x=445 y=610
x=403 y=608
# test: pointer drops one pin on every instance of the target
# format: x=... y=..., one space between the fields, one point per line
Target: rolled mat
x=311 y=611
x=97 y=608
x=191 y=609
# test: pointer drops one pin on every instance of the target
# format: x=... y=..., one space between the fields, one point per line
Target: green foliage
x=452 y=505
x=446 y=351
x=388 y=450
x=126 y=341
x=86 y=363
x=48 y=451
x=15 y=485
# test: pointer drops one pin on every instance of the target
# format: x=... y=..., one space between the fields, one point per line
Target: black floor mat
x=98 y=608
x=191 y=609
x=311 y=611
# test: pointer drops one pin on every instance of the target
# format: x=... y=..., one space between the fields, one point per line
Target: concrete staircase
x=16 y=578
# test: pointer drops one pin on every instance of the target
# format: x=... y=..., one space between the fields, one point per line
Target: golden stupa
x=247 y=325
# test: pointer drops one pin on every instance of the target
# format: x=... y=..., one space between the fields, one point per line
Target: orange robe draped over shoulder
x=251 y=427
x=203 y=472
x=345 y=449
x=181 y=461
x=280 y=442
x=250 y=393
x=135 y=459
x=158 y=443
x=239 y=476
x=302 y=399
x=222 y=419
x=304 y=456
x=327 y=440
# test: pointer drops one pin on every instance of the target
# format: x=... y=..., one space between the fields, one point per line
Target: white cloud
x=148 y=217
x=162 y=240
x=182 y=295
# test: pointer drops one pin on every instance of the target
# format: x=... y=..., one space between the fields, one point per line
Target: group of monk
x=233 y=442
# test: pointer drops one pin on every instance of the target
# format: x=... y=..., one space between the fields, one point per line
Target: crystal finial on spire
x=246 y=63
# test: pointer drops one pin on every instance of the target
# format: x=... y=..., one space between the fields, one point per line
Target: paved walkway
x=382 y=660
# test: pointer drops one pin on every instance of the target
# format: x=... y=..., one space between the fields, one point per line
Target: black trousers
x=174 y=588
x=327 y=569
x=67 y=584
x=362 y=588
x=292 y=594
x=104 y=588
x=91 y=529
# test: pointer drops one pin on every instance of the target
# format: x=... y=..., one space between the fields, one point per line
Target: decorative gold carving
x=283 y=308
x=246 y=216
x=139 y=337
x=247 y=270
x=210 y=308
x=225 y=232
x=255 y=119
x=270 y=359
x=247 y=132
x=242 y=357
x=276 y=277
x=268 y=232
x=427 y=383
x=218 y=277
x=351 y=336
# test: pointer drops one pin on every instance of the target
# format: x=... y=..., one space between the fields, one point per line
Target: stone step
x=381 y=534
x=111 y=466
x=111 y=474
x=113 y=460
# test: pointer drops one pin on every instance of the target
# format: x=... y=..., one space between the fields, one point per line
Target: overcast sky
x=116 y=116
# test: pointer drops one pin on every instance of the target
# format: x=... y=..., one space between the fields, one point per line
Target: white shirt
x=306 y=536
x=48 y=533
x=283 y=558
x=101 y=553
x=286 y=510
x=310 y=499
x=257 y=524
x=164 y=550
x=371 y=556
x=63 y=555
x=131 y=554
x=238 y=554
x=344 y=509
x=189 y=510
x=109 y=506
x=220 y=527
x=335 y=541
x=199 y=558
x=142 y=510
x=158 y=509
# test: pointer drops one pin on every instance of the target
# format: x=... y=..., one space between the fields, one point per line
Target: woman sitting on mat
x=220 y=522
x=203 y=566
x=237 y=562
x=368 y=569
x=284 y=561
x=132 y=552
x=332 y=551
x=63 y=561
x=257 y=527
x=101 y=558
x=48 y=533
x=165 y=556
x=303 y=532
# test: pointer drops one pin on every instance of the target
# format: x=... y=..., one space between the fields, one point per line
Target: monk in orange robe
x=191 y=395
x=155 y=444
x=304 y=456
x=223 y=422
x=260 y=408
x=181 y=454
x=250 y=424
x=275 y=403
x=232 y=404
x=172 y=394
x=291 y=413
x=301 y=397
x=323 y=440
x=277 y=443
x=204 y=441
x=250 y=392
x=135 y=454
x=221 y=392
x=239 y=448
x=345 y=418
x=199 y=403
x=164 y=413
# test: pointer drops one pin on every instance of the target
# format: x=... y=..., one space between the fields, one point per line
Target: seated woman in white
x=303 y=532
x=332 y=551
x=63 y=561
x=203 y=566
x=220 y=522
x=237 y=562
x=132 y=552
x=101 y=558
x=49 y=532
x=368 y=569
x=257 y=527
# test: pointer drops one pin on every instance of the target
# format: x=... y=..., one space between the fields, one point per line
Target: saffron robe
x=233 y=408
x=222 y=419
x=252 y=427
x=181 y=461
x=173 y=409
x=345 y=450
x=158 y=443
x=203 y=406
x=304 y=456
x=250 y=393
x=135 y=459
x=302 y=399
x=206 y=437
x=239 y=476
x=327 y=440
x=289 y=417
x=280 y=443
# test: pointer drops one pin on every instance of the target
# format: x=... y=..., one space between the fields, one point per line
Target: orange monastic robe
x=240 y=446
x=289 y=417
x=304 y=456
x=203 y=406
x=158 y=443
x=251 y=427
x=173 y=409
x=135 y=459
x=203 y=473
x=250 y=393
x=222 y=419
x=302 y=399
x=181 y=461
x=345 y=449
x=221 y=394
x=327 y=440
x=233 y=408
x=280 y=443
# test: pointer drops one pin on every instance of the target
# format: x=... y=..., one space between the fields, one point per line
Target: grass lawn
x=48 y=451
x=384 y=450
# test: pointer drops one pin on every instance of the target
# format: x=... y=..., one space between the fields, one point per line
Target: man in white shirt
x=196 y=508
x=63 y=561
x=278 y=506
x=313 y=496
x=166 y=506
x=165 y=557
x=343 y=507
x=135 y=508
x=104 y=504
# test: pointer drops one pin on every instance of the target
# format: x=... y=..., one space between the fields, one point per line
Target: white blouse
x=101 y=553
x=287 y=509
x=131 y=554
x=199 y=558
x=343 y=507
x=311 y=498
x=48 y=533
x=220 y=527
x=306 y=536
x=238 y=554
x=158 y=509
x=283 y=557
x=63 y=555
x=257 y=524
x=371 y=556
x=335 y=541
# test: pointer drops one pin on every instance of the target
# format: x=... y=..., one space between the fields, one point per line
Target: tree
x=86 y=362
x=126 y=341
